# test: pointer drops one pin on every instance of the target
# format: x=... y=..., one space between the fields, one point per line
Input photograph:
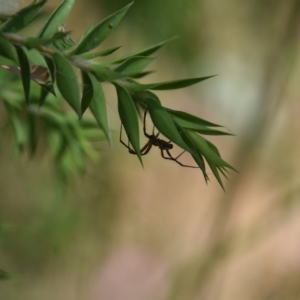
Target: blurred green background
x=123 y=232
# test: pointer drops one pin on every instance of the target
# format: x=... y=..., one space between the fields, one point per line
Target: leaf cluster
x=46 y=64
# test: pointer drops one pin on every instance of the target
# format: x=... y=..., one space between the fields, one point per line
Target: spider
x=153 y=140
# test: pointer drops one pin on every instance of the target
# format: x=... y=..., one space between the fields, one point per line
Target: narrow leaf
x=145 y=52
x=56 y=19
x=87 y=92
x=31 y=42
x=103 y=73
x=106 y=52
x=129 y=119
x=206 y=150
x=22 y=18
x=6 y=48
x=98 y=106
x=67 y=82
x=134 y=65
x=176 y=115
x=51 y=67
x=198 y=128
x=197 y=155
x=25 y=71
x=100 y=32
x=169 y=85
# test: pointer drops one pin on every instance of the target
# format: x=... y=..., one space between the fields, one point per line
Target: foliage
x=46 y=64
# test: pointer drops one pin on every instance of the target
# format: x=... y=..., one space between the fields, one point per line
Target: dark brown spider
x=153 y=140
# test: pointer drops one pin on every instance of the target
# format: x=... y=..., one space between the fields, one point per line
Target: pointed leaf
x=25 y=71
x=106 y=52
x=100 y=32
x=98 y=106
x=215 y=171
x=134 y=65
x=198 y=128
x=31 y=42
x=129 y=119
x=46 y=89
x=22 y=18
x=67 y=82
x=211 y=156
x=176 y=115
x=197 y=156
x=51 y=67
x=206 y=150
x=169 y=85
x=145 y=52
x=7 y=49
x=103 y=73
x=87 y=92
x=56 y=19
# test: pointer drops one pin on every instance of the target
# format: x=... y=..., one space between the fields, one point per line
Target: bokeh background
x=161 y=233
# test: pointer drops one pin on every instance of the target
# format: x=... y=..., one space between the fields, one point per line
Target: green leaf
x=67 y=82
x=206 y=150
x=48 y=86
x=164 y=123
x=35 y=58
x=7 y=49
x=31 y=42
x=144 y=96
x=106 y=52
x=213 y=159
x=22 y=18
x=134 y=65
x=100 y=32
x=198 y=128
x=169 y=85
x=98 y=106
x=25 y=71
x=51 y=67
x=103 y=73
x=197 y=156
x=176 y=115
x=45 y=90
x=87 y=92
x=129 y=119
x=145 y=52
x=56 y=19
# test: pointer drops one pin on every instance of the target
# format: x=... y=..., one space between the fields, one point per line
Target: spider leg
x=145 y=149
x=131 y=151
x=170 y=157
x=144 y=126
x=179 y=154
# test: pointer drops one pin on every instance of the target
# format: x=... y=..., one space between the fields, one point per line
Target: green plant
x=35 y=104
